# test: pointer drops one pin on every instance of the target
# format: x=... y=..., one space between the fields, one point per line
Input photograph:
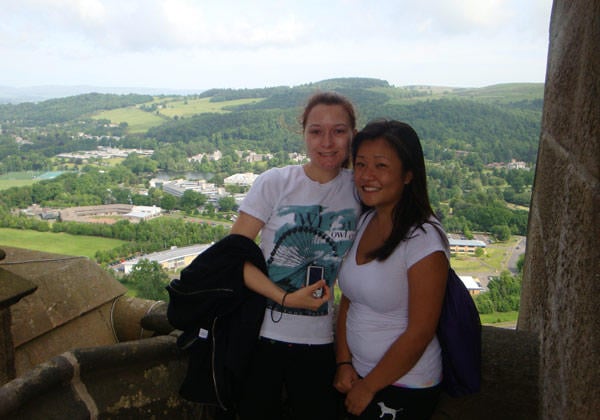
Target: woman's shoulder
x=434 y=224
x=425 y=239
x=430 y=228
x=282 y=170
x=279 y=173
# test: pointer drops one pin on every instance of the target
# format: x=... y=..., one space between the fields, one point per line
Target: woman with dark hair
x=306 y=216
x=393 y=281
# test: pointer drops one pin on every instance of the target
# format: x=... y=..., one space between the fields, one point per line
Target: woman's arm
x=255 y=280
x=247 y=225
x=303 y=298
x=345 y=374
x=426 y=283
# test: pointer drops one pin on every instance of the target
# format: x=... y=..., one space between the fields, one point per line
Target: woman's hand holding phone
x=305 y=297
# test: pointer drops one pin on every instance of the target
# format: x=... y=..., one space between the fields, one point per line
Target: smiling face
x=327 y=133
x=379 y=175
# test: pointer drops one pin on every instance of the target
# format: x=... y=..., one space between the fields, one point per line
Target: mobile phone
x=314 y=273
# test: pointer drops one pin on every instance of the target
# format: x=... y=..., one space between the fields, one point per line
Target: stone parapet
x=510 y=375
x=141 y=379
x=137 y=379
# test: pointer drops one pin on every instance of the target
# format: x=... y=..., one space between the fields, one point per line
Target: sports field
x=57 y=243
x=17 y=179
x=23 y=178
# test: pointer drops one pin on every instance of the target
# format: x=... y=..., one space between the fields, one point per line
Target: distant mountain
x=16 y=95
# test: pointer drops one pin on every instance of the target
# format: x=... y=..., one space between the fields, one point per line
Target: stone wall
x=141 y=379
x=132 y=380
x=561 y=281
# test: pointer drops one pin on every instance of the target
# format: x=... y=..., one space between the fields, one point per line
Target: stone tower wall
x=561 y=280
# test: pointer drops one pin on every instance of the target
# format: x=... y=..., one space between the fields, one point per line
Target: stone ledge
x=510 y=380
x=142 y=378
x=127 y=380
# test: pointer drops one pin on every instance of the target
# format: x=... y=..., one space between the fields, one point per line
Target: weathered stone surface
x=12 y=289
x=510 y=377
x=68 y=287
x=89 y=330
x=70 y=308
x=127 y=381
x=127 y=313
x=156 y=319
x=561 y=280
x=7 y=350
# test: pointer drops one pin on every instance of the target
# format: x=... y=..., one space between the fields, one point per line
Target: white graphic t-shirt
x=306 y=223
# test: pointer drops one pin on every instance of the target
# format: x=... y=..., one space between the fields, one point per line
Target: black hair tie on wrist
x=282 y=306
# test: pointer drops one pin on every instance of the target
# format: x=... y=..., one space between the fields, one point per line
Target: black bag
x=459 y=335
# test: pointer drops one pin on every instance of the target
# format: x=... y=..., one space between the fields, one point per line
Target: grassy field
x=9 y=183
x=138 y=121
x=17 y=179
x=58 y=243
x=185 y=108
x=500 y=318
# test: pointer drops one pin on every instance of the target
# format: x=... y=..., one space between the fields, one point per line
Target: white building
x=144 y=212
x=171 y=259
x=179 y=186
x=216 y=155
x=247 y=179
x=464 y=246
x=471 y=284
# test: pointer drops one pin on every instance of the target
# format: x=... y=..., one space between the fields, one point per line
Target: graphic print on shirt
x=314 y=237
x=385 y=410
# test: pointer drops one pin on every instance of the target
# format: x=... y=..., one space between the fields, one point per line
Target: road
x=517 y=251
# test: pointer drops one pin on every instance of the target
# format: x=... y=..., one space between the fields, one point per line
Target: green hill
x=493 y=123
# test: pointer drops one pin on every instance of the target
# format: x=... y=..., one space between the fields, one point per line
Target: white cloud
x=244 y=44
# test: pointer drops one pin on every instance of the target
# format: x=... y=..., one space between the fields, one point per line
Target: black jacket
x=220 y=319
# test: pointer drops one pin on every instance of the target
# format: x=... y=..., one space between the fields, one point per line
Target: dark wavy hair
x=413 y=209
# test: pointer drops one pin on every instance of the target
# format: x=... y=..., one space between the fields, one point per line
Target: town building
x=465 y=246
x=245 y=179
x=171 y=260
x=471 y=284
x=109 y=213
x=179 y=186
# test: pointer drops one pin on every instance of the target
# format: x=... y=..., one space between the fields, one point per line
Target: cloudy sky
x=201 y=44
